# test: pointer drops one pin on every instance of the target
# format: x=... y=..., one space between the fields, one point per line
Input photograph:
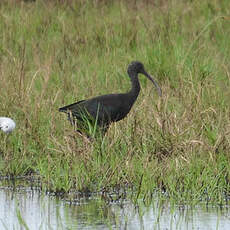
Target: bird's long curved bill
x=154 y=82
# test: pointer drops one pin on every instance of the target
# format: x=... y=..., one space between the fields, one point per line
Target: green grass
x=58 y=52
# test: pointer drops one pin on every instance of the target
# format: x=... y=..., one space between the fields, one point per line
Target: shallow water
x=27 y=209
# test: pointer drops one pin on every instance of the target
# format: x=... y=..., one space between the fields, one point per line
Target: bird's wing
x=106 y=108
x=70 y=107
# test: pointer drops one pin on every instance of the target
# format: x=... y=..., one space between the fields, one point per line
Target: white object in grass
x=7 y=125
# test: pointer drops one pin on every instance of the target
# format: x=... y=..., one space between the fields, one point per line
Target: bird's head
x=136 y=67
x=7 y=125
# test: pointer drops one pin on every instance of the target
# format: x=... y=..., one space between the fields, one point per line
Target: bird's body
x=109 y=108
x=102 y=107
x=7 y=125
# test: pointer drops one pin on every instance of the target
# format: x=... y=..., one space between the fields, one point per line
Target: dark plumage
x=109 y=108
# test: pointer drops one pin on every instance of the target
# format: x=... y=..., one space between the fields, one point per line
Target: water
x=26 y=209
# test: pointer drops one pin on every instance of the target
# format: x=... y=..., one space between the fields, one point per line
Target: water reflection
x=28 y=209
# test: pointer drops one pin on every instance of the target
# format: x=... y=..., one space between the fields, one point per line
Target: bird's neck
x=135 y=88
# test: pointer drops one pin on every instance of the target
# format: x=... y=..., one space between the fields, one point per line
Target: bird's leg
x=71 y=118
x=80 y=128
x=73 y=122
x=85 y=136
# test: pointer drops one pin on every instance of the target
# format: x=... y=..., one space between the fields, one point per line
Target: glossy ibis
x=7 y=125
x=105 y=109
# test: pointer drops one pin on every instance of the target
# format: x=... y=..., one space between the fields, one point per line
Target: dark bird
x=101 y=111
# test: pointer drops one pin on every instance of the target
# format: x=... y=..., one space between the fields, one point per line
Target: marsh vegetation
x=54 y=53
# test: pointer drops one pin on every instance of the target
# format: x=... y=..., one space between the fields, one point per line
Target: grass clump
x=62 y=52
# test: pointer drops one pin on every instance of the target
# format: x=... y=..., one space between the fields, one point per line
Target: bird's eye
x=7 y=126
